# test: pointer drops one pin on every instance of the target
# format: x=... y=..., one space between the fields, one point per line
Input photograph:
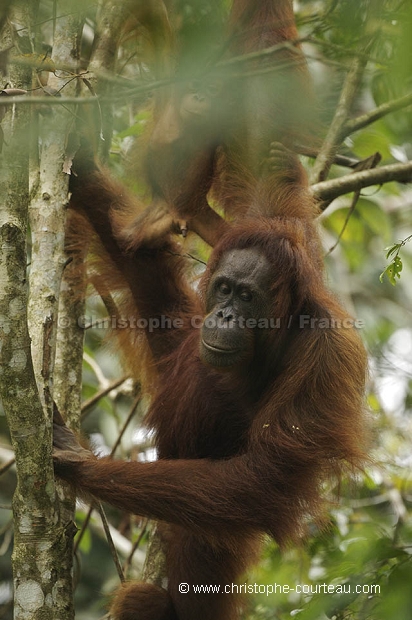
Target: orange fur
x=244 y=452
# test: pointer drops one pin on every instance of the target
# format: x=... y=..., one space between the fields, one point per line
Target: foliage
x=393 y=270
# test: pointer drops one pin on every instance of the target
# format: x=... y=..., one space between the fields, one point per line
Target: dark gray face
x=237 y=298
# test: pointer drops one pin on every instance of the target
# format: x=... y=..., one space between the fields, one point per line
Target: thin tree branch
x=129 y=418
x=110 y=541
x=341 y=49
x=379 y=112
x=264 y=53
x=339 y=160
x=49 y=100
x=329 y=190
x=90 y=402
x=135 y=546
x=367 y=164
x=335 y=133
x=348 y=216
x=85 y=524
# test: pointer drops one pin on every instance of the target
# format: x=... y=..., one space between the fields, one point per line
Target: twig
x=136 y=545
x=126 y=423
x=345 y=223
x=113 y=450
x=267 y=52
x=394 y=268
x=50 y=100
x=343 y=50
x=339 y=160
x=130 y=86
x=379 y=112
x=329 y=190
x=90 y=402
x=110 y=542
x=367 y=164
x=335 y=133
x=80 y=535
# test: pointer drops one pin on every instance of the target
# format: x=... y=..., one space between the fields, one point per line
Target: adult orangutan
x=257 y=378
x=253 y=405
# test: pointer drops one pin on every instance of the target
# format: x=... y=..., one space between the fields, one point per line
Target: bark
x=329 y=190
x=37 y=538
x=57 y=346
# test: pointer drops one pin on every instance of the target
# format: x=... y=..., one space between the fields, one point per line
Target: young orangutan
x=214 y=133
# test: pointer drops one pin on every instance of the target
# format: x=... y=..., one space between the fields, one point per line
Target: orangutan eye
x=246 y=296
x=224 y=288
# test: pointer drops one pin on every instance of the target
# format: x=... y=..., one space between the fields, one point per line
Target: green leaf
x=392 y=249
x=393 y=270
